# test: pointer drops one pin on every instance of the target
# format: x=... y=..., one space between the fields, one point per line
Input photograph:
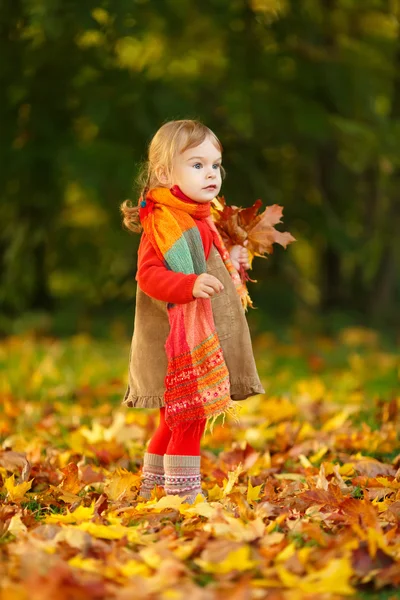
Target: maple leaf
x=70 y=482
x=233 y=477
x=239 y=225
x=17 y=492
x=253 y=493
x=120 y=484
x=82 y=513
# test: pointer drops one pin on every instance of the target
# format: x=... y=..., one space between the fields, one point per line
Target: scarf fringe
x=232 y=410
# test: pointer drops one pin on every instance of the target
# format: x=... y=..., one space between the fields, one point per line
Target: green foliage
x=304 y=96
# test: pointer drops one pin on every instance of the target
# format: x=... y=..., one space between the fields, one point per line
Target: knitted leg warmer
x=152 y=473
x=182 y=476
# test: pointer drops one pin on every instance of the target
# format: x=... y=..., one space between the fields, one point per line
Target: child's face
x=197 y=171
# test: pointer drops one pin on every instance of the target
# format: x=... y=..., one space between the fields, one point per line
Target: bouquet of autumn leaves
x=245 y=227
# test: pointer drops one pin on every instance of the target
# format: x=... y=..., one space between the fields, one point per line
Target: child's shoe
x=182 y=476
x=152 y=474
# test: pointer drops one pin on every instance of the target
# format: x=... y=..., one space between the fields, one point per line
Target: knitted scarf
x=197 y=381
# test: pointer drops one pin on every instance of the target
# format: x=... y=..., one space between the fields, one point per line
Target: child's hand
x=239 y=257
x=206 y=286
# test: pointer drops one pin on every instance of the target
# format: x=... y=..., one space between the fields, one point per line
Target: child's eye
x=216 y=166
x=197 y=165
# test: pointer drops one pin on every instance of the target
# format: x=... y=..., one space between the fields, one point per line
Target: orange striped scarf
x=197 y=381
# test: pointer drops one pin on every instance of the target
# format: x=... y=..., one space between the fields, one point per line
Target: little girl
x=191 y=353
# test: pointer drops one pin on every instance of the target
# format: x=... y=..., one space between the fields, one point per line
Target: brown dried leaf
x=236 y=225
x=13 y=461
x=70 y=482
x=262 y=235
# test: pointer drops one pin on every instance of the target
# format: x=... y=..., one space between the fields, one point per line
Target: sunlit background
x=305 y=97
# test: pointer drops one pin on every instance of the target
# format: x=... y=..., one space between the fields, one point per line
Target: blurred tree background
x=304 y=95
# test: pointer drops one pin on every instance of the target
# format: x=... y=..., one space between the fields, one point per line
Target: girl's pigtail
x=130 y=214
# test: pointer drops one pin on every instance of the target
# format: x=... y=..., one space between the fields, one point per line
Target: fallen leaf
x=17 y=492
x=13 y=461
x=237 y=560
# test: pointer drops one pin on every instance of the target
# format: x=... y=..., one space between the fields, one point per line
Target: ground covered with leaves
x=303 y=495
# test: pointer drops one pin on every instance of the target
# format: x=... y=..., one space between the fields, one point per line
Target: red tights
x=184 y=439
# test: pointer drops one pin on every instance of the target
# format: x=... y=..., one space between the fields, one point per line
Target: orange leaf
x=71 y=481
x=236 y=225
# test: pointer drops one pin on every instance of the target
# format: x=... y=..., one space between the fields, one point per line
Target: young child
x=191 y=353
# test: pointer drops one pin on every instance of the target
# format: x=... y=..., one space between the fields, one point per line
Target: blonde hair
x=174 y=137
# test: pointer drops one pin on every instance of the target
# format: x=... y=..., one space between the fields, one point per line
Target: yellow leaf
x=184 y=550
x=304 y=555
x=347 y=470
x=395 y=485
x=151 y=557
x=169 y=501
x=306 y=432
x=278 y=521
x=16 y=526
x=334 y=578
x=336 y=422
x=376 y=539
x=313 y=388
x=288 y=579
x=286 y=553
x=172 y=595
x=121 y=483
x=134 y=567
x=318 y=455
x=17 y=492
x=237 y=560
x=278 y=409
x=233 y=476
x=291 y=476
x=267 y=460
x=215 y=493
x=381 y=505
x=96 y=435
x=93 y=566
x=87 y=564
x=110 y=532
x=233 y=528
x=253 y=493
x=304 y=461
x=203 y=509
x=82 y=513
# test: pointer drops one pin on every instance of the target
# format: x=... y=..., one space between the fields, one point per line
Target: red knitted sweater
x=153 y=276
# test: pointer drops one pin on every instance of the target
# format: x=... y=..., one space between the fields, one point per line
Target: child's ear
x=162 y=175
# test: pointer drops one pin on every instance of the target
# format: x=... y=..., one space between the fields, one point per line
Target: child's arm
x=159 y=282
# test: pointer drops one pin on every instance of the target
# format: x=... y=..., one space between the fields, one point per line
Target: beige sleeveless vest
x=148 y=360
